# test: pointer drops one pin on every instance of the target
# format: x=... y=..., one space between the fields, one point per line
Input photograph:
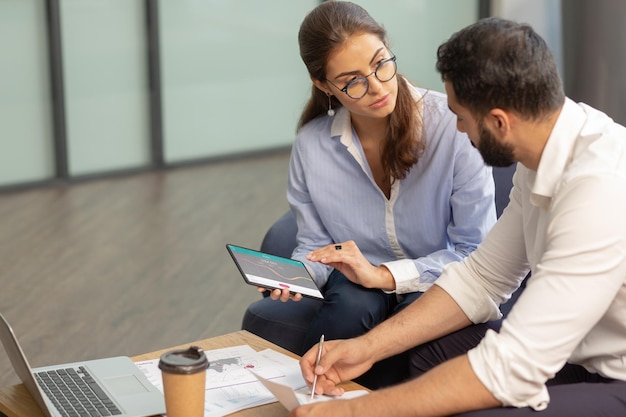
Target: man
x=562 y=349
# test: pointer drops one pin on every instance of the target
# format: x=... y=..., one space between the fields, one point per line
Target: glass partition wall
x=26 y=142
x=95 y=87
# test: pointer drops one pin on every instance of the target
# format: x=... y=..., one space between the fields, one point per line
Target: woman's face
x=360 y=56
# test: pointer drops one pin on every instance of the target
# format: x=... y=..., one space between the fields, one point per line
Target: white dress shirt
x=567 y=222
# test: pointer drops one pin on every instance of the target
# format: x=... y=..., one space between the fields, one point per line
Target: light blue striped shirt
x=438 y=214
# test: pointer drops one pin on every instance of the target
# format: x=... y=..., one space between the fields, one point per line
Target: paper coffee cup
x=184 y=375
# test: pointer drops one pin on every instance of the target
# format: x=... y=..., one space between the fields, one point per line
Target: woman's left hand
x=347 y=258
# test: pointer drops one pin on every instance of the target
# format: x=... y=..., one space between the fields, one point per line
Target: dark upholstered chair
x=285 y=324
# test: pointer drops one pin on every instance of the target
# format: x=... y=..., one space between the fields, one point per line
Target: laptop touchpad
x=124 y=385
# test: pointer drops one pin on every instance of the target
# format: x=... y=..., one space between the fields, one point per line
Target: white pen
x=317 y=362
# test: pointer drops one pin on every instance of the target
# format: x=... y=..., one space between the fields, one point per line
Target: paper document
x=292 y=398
x=230 y=386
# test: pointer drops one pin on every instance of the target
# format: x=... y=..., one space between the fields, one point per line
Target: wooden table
x=16 y=401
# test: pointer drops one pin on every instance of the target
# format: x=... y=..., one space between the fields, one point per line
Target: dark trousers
x=350 y=310
x=574 y=392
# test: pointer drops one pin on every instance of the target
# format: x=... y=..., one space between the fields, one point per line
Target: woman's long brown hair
x=325 y=29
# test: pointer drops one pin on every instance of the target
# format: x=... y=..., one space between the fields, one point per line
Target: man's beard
x=494 y=153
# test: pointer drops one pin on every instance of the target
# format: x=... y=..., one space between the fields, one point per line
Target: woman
x=385 y=190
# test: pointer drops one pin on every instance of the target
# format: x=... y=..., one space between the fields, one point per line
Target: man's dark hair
x=497 y=63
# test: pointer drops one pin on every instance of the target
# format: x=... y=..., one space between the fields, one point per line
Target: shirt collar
x=557 y=152
x=342 y=127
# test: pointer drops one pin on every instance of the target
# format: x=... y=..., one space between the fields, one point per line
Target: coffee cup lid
x=184 y=361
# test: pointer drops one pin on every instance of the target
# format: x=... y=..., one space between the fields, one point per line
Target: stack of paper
x=230 y=386
x=292 y=398
x=239 y=377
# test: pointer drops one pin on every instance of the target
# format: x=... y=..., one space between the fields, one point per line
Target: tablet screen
x=270 y=271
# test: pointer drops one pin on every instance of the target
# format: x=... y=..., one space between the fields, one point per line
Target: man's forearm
x=450 y=388
x=433 y=315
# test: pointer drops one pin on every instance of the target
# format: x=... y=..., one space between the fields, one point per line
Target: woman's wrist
x=387 y=281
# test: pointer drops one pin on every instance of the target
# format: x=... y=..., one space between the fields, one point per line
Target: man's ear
x=321 y=86
x=498 y=120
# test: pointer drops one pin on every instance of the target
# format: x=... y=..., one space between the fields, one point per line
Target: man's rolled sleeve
x=512 y=383
x=472 y=299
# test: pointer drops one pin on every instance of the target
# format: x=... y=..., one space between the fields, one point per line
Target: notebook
x=115 y=386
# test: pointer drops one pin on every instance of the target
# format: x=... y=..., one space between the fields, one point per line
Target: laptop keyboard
x=75 y=393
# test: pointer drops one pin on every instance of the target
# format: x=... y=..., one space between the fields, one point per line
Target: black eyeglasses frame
x=374 y=73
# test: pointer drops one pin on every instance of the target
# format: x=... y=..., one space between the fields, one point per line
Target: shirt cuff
x=406 y=276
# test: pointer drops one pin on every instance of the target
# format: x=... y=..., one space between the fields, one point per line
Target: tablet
x=270 y=271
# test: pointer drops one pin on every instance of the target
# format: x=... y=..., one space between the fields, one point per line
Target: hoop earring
x=330 y=111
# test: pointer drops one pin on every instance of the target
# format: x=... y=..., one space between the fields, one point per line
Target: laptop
x=113 y=386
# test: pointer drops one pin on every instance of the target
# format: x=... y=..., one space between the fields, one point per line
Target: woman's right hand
x=282 y=295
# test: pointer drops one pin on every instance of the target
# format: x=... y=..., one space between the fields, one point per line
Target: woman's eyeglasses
x=357 y=88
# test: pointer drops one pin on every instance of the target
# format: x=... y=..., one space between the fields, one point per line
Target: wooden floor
x=130 y=265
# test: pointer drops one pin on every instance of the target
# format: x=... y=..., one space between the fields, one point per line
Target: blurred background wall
x=594 y=46
x=90 y=88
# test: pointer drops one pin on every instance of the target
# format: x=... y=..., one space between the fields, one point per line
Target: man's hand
x=348 y=259
x=342 y=360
